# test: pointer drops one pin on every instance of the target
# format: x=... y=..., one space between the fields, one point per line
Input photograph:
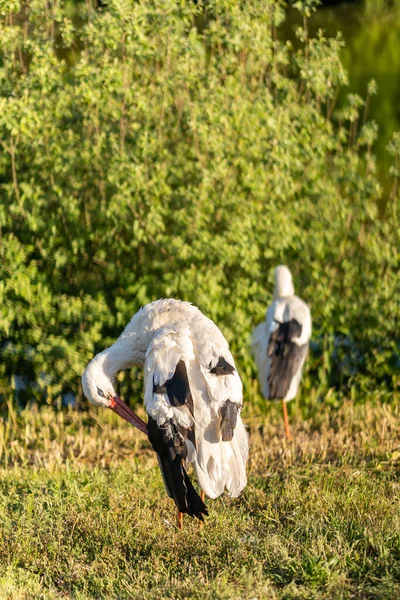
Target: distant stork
x=192 y=395
x=280 y=343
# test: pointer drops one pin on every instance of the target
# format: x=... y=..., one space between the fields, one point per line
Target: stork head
x=283 y=282
x=99 y=389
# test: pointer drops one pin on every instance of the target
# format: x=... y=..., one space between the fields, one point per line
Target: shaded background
x=371 y=31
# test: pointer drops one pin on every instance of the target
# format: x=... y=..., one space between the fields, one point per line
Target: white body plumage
x=280 y=343
x=160 y=337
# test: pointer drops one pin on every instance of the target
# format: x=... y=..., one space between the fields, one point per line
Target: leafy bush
x=161 y=149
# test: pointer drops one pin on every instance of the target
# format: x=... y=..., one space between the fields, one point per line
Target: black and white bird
x=280 y=343
x=192 y=395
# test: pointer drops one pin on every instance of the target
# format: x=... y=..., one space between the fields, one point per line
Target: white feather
x=285 y=307
x=158 y=337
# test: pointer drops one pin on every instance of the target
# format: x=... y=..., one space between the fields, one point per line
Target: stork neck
x=283 y=283
x=284 y=291
x=125 y=353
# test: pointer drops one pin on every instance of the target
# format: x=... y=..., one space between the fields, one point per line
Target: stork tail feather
x=176 y=480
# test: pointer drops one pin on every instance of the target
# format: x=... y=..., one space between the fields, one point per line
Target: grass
x=83 y=512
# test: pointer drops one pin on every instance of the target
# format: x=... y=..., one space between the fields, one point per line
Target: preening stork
x=280 y=343
x=192 y=395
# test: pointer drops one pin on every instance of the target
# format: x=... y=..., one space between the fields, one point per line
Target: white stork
x=192 y=395
x=280 y=343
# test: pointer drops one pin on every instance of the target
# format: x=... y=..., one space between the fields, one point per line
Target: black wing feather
x=229 y=413
x=222 y=367
x=169 y=444
x=177 y=388
x=286 y=357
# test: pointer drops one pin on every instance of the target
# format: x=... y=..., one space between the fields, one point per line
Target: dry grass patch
x=83 y=512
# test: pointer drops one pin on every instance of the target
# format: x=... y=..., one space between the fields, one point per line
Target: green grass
x=83 y=512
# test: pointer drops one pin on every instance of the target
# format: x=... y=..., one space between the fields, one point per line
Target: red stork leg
x=180 y=514
x=286 y=420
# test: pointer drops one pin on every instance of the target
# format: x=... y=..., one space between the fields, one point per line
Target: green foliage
x=184 y=152
x=370 y=29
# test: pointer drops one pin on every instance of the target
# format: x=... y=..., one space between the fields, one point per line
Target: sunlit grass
x=83 y=512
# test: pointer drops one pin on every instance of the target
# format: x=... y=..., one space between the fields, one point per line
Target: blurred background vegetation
x=370 y=29
x=184 y=149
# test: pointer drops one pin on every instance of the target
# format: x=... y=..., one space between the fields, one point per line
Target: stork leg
x=180 y=514
x=286 y=420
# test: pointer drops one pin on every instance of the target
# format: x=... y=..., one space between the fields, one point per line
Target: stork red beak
x=123 y=410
